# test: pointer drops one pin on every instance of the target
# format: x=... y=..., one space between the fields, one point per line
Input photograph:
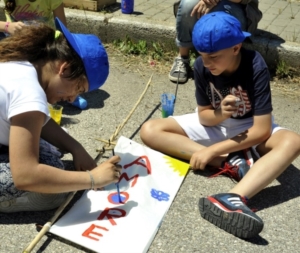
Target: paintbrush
x=117 y=184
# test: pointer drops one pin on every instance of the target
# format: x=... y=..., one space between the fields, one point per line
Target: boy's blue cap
x=216 y=31
x=92 y=53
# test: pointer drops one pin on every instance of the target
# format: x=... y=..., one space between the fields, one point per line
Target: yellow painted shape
x=178 y=166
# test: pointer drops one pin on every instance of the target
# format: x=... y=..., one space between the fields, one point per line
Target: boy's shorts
x=208 y=136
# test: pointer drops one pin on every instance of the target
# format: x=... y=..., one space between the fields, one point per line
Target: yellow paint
x=178 y=166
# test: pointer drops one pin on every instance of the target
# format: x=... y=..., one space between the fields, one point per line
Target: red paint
x=124 y=194
x=87 y=233
x=136 y=162
x=110 y=213
x=107 y=213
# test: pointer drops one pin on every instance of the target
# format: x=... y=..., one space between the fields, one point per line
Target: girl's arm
x=60 y=13
x=55 y=135
x=10 y=27
x=29 y=175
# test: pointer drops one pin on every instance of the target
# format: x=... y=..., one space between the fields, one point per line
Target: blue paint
x=116 y=198
x=159 y=195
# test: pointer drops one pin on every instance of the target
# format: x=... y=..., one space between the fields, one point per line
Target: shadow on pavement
x=275 y=195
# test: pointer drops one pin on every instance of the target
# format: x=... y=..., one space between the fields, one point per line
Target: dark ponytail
x=37 y=42
x=10 y=6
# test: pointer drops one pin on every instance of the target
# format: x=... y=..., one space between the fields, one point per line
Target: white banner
x=148 y=185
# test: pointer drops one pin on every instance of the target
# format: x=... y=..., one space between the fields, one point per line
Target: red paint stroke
x=107 y=214
x=146 y=165
x=90 y=230
x=124 y=194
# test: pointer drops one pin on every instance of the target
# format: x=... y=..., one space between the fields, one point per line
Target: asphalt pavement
x=183 y=229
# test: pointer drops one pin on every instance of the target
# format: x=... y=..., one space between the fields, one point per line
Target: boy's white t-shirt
x=20 y=91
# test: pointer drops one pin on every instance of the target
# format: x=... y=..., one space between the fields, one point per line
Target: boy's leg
x=181 y=136
x=278 y=152
x=227 y=210
x=14 y=200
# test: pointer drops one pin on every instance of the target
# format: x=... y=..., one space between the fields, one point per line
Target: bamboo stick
x=47 y=226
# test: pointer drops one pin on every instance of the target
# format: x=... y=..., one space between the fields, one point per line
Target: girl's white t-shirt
x=20 y=92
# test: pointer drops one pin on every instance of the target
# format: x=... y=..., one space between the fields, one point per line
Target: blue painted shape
x=159 y=195
x=116 y=198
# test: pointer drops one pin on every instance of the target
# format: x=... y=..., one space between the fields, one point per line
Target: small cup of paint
x=55 y=112
x=167 y=104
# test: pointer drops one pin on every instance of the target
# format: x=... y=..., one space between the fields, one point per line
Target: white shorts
x=208 y=136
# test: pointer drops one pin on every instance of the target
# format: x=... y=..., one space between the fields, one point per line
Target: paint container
x=167 y=104
x=80 y=102
x=55 y=112
x=127 y=6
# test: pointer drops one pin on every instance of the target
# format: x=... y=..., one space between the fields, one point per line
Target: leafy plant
x=282 y=69
x=128 y=46
x=158 y=51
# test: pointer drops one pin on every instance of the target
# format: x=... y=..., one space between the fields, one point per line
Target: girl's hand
x=14 y=27
x=107 y=172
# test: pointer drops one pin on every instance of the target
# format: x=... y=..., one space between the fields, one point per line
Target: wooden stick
x=47 y=226
x=119 y=128
x=107 y=142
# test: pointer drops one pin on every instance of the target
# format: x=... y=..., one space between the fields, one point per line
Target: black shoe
x=228 y=212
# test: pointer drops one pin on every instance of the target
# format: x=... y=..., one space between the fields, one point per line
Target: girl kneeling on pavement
x=39 y=65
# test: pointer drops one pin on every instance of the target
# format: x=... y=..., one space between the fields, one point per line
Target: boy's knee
x=147 y=130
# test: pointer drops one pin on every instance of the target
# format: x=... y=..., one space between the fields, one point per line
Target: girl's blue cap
x=216 y=31
x=92 y=53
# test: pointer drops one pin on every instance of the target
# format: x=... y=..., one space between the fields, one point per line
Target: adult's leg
x=184 y=28
x=235 y=9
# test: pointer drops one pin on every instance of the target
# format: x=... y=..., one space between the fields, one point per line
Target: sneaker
x=179 y=70
x=237 y=164
x=229 y=212
x=32 y=201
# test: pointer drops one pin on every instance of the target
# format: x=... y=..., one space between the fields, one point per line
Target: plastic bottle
x=127 y=6
x=80 y=102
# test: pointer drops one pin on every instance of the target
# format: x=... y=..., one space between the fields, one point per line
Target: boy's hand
x=229 y=106
x=201 y=158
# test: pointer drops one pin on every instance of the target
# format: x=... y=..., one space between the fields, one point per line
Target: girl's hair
x=37 y=42
x=10 y=5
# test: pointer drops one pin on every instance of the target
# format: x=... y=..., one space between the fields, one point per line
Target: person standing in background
x=19 y=13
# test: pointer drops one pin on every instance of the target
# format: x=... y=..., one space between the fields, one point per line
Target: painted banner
x=148 y=185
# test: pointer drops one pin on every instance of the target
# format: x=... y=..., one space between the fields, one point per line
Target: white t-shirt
x=20 y=91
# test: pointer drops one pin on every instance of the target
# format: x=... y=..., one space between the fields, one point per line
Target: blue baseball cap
x=92 y=53
x=216 y=31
